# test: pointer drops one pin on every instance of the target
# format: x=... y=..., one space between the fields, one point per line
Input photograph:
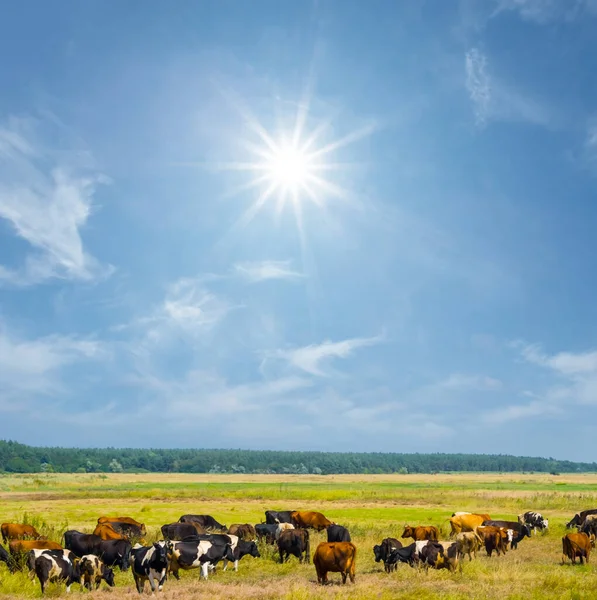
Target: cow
x=266 y=532
x=128 y=530
x=280 y=527
x=466 y=522
x=17 y=531
x=579 y=518
x=494 y=538
x=127 y=520
x=469 y=542
x=207 y=522
x=81 y=543
x=181 y=531
x=295 y=542
x=336 y=557
x=420 y=533
x=150 y=563
x=589 y=526
x=93 y=570
x=432 y=555
x=407 y=554
x=199 y=554
x=113 y=553
x=239 y=547
x=382 y=552
x=107 y=532
x=308 y=519
x=53 y=566
x=6 y=558
x=18 y=548
x=519 y=531
x=273 y=517
x=577 y=545
x=337 y=533
x=534 y=520
x=244 y=531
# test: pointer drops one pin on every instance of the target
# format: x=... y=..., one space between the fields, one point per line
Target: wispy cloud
x=458 y=381
x=478 y=83
x=47 y=202
x=518 y=412
x=255 y=272
x=310 y=359
x=546 y=11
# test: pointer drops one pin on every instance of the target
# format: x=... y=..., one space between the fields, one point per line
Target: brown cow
x=107 y=532
x=244 y=531
x=468 y=543
x=309 y=519
x=466 y=522
x=127 y=520
x=17 y=531
x=494 y=538
x=335 y=557
x=16 y=546
x=577 y=545
x=421 y=532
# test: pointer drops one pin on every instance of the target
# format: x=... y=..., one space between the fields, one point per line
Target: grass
x=372 y=507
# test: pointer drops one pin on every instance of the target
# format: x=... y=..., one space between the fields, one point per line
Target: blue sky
x=425 y=283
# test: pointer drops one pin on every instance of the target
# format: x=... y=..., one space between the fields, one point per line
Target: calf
x=266 y=532
x=421 y=533
x=408 y=555
x=93 y=570
x=53 y=566
x=337 y=557
x=382 y=552
x=337 y=533
x=295 y=542
x=494 y=538
x=150 y=563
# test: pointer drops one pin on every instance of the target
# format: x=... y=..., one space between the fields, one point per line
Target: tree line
x=21 y=458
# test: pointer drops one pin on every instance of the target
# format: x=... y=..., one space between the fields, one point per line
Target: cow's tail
x=352 y=566
x=566 y=549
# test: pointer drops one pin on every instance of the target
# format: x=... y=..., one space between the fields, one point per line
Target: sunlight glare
x=289 y=167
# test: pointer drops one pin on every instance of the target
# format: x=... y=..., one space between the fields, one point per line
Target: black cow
x=113 y=553
x=579 y=518
x=239 y=547
x=201 y=553
x=432 y=555
x=295 y=542
x=382 y=552
x=206 y=521
x=54 y=565
x=337 y=533
x=6 y=558
x=81 y=544
x=408 y=555
x=266 y=532
x=520 y=530
x=150 y=563
x=180 y=532
x=534 y=520
x=273 y=517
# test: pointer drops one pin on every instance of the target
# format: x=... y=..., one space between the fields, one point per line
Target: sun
x=289 y=168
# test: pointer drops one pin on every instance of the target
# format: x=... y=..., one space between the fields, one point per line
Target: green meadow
x=371 y=506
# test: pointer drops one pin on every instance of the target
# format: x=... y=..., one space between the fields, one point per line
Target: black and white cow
x=93 y=571
x=150 y=563
x=534 y=520
x=273 y=517
x=199 y=554
x=33 y=555
x=382 y=552
x=239 y=547
x=55 y=565
x=408 y=555
x=579 y=518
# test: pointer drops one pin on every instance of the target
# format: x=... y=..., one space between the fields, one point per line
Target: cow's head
x=160 y=554
x=253 y=550
x=408 y=532
x=229 y=554
x=377 y=552
x=108 y=575
x=525 y=530
x=544 y=524
x=573 y=522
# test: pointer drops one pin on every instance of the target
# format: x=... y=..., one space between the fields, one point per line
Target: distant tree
x=115 y=466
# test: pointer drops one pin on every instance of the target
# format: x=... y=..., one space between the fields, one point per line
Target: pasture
x=371 y=506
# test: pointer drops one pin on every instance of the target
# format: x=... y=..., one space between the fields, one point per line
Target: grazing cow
x=408 y=555
x=577 y=545
x=494 y=538
x=469 y=542
x=17 y=531
x=534 y=520
x=81 y=543
x=382 y=552
x=93 y=570
x=337 y=533
x=201 y=553
x=113 y=553
x=432 y=555
x=579 y=518
x=273 y=517
x=239 y=547
x=181 y=531
x=207 y=522
x=127 y=520
x=266 y=532
x=519 y=530
x=589 y=526
x=308 y=519
x=466 y=522
x=150 y=563
x=421 y=533
x=107 y=532
x=295 y=542
x=280 y=527
x=337 y=557
x=19 y=547
x=244 y=531
x=53 y=566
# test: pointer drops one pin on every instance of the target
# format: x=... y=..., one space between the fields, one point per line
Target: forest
x=21 y=458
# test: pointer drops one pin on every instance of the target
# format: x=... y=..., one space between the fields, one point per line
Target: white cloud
x=268 y=269
x=47 y=202
x=546 y=11
x=478 y=83
x=516 y=412
x=310 y=358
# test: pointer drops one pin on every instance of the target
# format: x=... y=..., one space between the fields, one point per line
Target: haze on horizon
x=325 y=225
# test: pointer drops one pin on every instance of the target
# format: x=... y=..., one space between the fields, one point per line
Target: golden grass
x=372 y=507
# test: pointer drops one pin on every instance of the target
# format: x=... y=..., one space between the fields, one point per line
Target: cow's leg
x=204 y=570
x=140 y=583
x=162 y=579
x=344 y=577
x=236 y=565
x=152 y=582
x=225 y=564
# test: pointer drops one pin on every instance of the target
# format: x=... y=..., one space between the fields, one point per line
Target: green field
x=372 y=507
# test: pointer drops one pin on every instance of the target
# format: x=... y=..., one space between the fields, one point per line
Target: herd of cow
x=199 y=541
